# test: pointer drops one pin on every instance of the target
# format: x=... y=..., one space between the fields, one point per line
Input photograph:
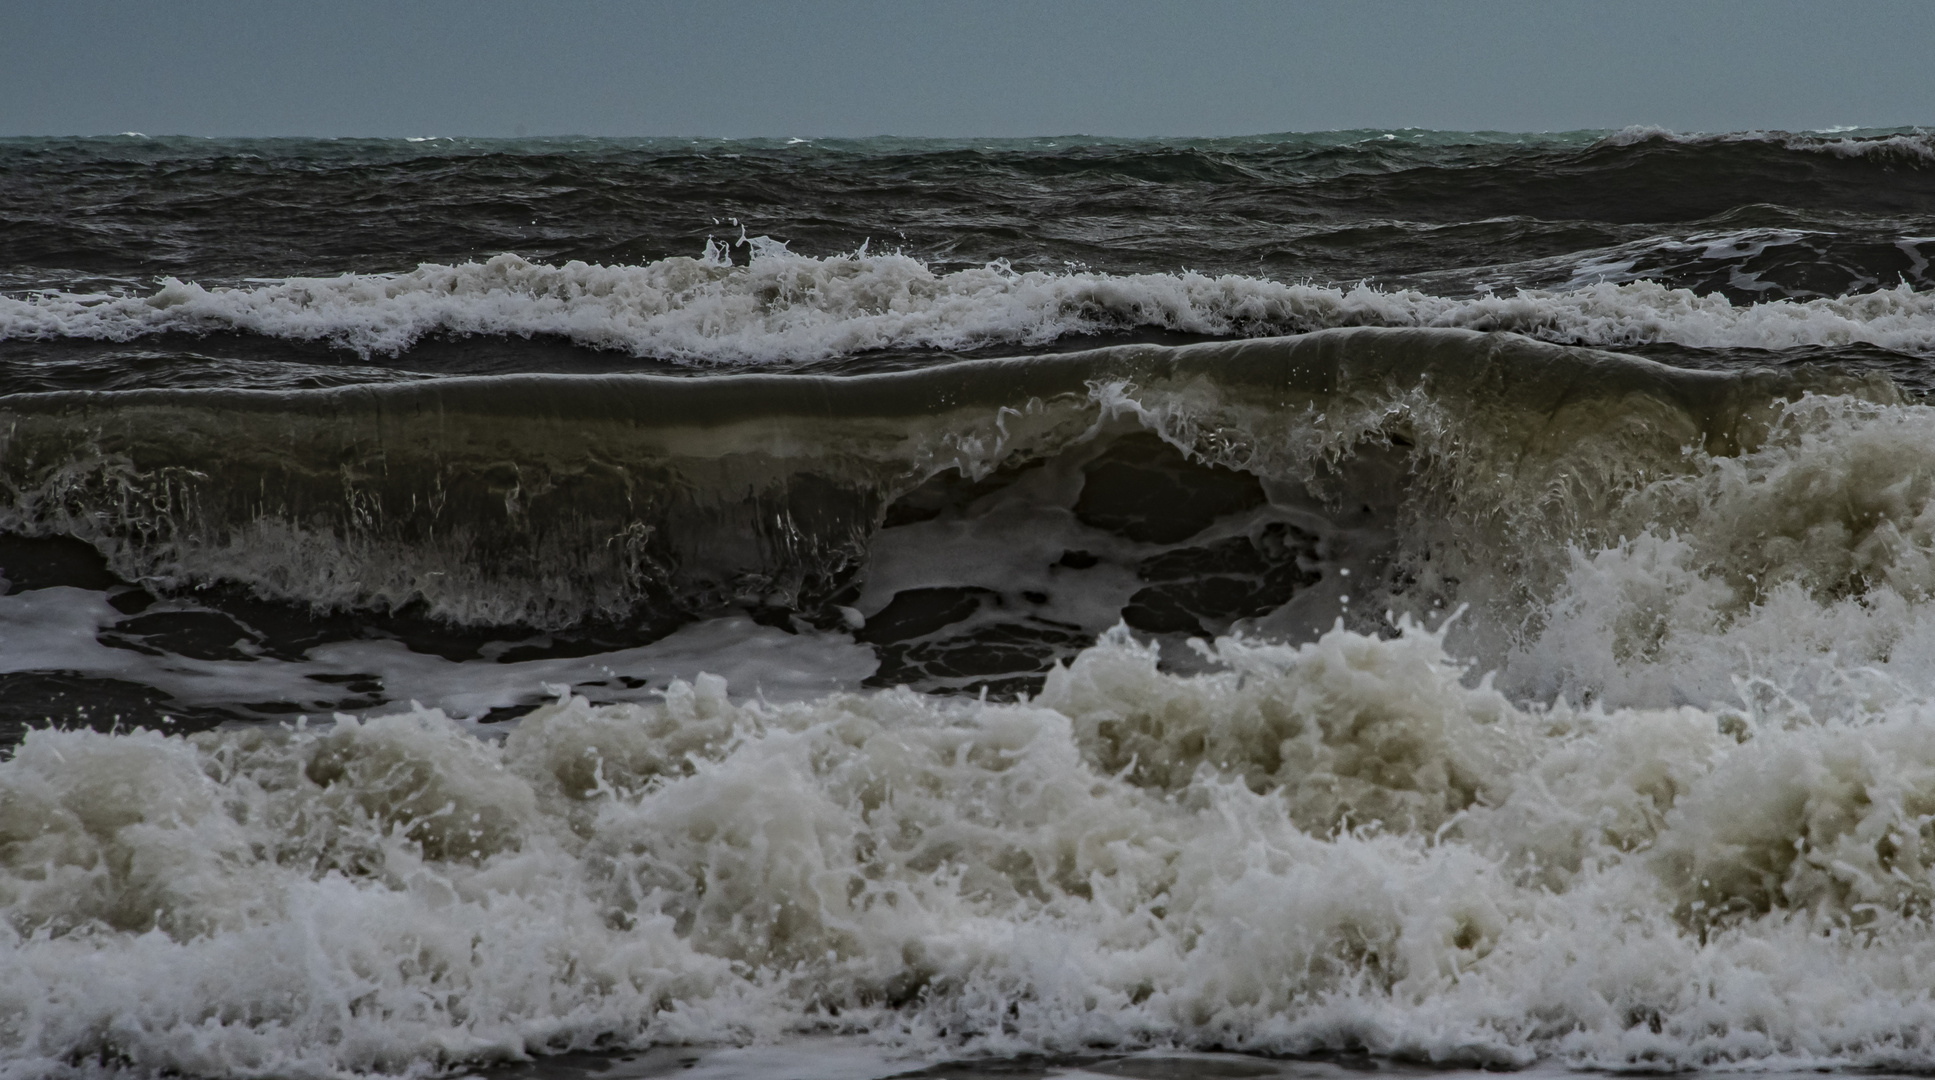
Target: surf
x=782 y=308
x=1308 y=621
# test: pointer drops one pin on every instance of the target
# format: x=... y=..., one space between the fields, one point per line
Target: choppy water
x=1454 y=598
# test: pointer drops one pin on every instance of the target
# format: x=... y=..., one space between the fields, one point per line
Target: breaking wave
x=1430 y=682
x=550 y=500
x=1676 y=815
x=1915 y=147
x=783 y=307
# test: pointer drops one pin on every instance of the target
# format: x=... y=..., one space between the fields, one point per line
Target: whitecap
x=786 y=307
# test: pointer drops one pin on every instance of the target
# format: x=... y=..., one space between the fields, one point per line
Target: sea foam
x=1685 y=824
x=1344 y=844
x=789 y=307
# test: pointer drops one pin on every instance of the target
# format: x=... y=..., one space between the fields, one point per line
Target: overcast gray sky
x=993 y=68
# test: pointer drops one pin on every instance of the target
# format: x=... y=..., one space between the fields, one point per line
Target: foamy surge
x=1800 y=571
x=1714 y=849
x=1345 y=844
x=784 y=306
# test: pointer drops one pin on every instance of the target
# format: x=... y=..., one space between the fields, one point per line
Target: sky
x=738 y=68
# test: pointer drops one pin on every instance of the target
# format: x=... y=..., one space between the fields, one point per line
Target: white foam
x=1134 y=859
x=1802 y=570
x=787 y=307
x=58 y=629
x=1714 y=850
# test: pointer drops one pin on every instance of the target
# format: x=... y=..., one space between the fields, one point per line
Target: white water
x=784 y=306
x=1725 y=859
x=1134 y=858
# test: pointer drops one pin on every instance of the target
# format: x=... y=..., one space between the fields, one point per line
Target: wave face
x=558 y=501
x=1461 y=598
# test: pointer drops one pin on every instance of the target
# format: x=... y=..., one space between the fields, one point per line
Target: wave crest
x=1916 y=147
x=784 y=307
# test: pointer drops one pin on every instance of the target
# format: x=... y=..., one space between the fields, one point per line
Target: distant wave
x=784 y=306
x=1913 y=146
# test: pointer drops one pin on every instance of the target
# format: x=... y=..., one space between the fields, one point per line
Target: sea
x=1294 y=605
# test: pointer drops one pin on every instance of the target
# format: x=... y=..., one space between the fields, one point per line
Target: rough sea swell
x=412 y=670
x=1038 y=500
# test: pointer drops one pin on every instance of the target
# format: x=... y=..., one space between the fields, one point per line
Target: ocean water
x=1281 y=606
